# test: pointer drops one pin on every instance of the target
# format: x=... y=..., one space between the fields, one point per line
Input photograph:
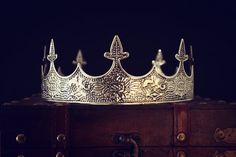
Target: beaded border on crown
x=116 y=86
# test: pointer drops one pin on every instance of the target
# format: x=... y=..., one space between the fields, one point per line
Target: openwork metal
x=117 y=86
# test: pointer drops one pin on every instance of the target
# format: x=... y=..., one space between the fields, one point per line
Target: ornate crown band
x=117 y=86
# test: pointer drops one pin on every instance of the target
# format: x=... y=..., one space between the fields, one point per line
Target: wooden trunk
x=200 y=128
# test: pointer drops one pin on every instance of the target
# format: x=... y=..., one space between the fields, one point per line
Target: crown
x=116 y=86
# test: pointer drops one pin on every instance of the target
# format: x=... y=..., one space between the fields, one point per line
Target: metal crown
x=117 y=86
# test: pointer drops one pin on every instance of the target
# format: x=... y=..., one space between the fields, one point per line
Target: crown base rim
x=117 y=103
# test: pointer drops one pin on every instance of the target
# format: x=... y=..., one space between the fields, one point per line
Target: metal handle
x=181 y=154
x=127 y=139
x=61 y=138
x=20 y=138
x=227 y=135
x=59 y=154
x=225 y=154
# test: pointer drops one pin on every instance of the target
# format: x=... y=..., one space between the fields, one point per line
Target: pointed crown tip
x=79 y=52
x=182 y=43
x=116 y=37
x=52 y=42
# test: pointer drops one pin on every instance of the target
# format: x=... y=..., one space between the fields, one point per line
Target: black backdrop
x=143 y=28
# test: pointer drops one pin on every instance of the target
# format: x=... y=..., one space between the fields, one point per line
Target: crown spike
x=44 y=65
x=116 y=44
x=181 y=56
x=182 y=46
x=159 y=59
x=116 y=50
x=52 y=47
x=191 y=58
x=52 y=54
x=79 y=59
x=44 y=53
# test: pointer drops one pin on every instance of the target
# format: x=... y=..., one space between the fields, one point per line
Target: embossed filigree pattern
x=117 y=86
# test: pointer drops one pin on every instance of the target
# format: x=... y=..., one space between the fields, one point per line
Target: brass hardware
x=127 y=138
x=227 y=135
x=61 y=138
x=181 y=154
x=60 y=154
x=20 y=138
x=181 y=137
x=225 y=154
x=120 y=138
x=20 y=155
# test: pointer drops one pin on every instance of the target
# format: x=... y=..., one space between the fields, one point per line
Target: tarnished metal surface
x=117 y=86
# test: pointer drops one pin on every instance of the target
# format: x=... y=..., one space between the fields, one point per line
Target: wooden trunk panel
x=204 y=123
x=110 y=152
x=212 y=152
x=29 y=153
x=36 y=123
x=97 y=127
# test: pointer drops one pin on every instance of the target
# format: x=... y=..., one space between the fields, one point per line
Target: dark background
x=210 y=26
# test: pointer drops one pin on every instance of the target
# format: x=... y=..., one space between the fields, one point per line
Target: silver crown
x=117 y=86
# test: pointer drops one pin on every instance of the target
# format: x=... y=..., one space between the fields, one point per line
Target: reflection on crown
x=117 y=86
